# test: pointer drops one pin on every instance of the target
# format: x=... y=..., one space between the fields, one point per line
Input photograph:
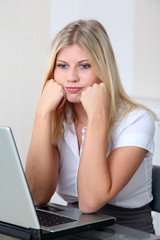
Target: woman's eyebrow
x=58 y=60
x=85 y=60
x=81 y=61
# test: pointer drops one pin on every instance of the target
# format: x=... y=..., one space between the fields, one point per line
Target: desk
x=114 y=232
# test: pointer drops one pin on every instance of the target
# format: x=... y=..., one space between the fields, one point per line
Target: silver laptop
x=18 y=215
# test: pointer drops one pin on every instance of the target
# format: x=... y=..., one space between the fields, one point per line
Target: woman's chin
x=73 y=99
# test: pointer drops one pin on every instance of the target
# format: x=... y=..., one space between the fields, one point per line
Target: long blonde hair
x=93 y=38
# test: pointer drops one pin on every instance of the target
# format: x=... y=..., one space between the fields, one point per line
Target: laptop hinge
x=35 y=234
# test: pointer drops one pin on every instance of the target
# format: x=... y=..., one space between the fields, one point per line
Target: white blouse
x=137 y=129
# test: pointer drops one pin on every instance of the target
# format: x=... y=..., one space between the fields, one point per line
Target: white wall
x=24 y=38
x=146 y=82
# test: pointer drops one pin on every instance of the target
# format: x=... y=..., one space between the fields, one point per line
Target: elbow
x=41 y=198
x=40 y=201
x=40 y=194
x=91 y=206
x=86 y=209
x=91 y=203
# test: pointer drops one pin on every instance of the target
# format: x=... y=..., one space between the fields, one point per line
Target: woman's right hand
x=53 y=97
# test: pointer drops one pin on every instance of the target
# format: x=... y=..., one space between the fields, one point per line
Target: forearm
x=42 y=160
x=94 y=180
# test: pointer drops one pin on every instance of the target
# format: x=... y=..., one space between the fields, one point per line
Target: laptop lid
x=16 y=204
x=15 y=200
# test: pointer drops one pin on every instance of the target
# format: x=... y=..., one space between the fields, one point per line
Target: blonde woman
x=91 y=143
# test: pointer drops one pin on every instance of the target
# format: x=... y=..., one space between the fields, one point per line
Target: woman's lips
x=73 y=89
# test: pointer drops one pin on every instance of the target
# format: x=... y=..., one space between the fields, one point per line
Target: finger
x=61 y=104
x=50 y=81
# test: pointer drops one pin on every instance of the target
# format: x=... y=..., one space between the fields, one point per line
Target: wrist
x=44 y=108
x=98 y=122
x=43 y=112
x=98 y=118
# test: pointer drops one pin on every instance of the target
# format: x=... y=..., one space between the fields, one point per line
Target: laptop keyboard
x=51 y=219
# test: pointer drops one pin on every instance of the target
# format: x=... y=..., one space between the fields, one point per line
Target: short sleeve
x=137 y=129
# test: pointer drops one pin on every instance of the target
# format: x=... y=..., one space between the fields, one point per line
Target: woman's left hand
x=96 y=100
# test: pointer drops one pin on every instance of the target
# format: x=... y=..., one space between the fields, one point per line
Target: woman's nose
x=72 y=75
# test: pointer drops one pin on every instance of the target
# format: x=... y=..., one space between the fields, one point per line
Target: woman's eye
x=62 y=66
x=85 y=66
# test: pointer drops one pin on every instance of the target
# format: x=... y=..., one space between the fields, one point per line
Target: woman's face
x=74 y=72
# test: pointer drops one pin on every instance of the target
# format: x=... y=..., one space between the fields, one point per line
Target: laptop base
x=35 y=234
